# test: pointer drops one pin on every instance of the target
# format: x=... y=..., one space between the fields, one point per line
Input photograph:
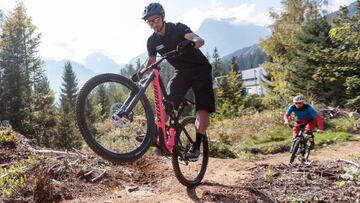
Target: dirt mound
x=314 y=182
x=60 y=176
x=15 y=150
x=54 y=176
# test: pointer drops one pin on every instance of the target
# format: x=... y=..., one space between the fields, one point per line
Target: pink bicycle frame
x=169 y=138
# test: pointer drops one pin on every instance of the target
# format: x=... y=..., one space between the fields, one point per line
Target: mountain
x=246 y=58
x=142 y=58
x=54 y=71
x=228 y=37
x=100 y=63
x=224 y=35
x=351 y=7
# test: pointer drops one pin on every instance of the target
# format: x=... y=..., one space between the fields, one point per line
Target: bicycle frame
x=166 y=140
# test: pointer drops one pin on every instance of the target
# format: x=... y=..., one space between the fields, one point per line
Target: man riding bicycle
x=303 y=114
x=192 y=69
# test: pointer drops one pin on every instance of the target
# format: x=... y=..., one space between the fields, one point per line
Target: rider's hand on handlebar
x=319 y=131
x=185 y=45
x=286 y=123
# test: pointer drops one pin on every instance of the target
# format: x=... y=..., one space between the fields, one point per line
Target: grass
x=247 y=137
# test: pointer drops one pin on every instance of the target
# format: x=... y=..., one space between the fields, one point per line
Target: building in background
x=250 y=78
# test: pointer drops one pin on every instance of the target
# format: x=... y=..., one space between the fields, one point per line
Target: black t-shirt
x=174 y=33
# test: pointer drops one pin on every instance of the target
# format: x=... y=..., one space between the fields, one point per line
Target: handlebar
x=301 y=125
x=139 y=74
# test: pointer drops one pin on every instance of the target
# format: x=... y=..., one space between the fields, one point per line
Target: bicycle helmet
x=153 y=9
x=298 y=99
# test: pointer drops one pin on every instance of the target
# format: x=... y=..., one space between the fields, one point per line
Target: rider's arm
x=189 y=35
x=150 y=60
x=317 y=118
x=319 y=122
x=151 y=52
x=288 y=113
x=199 y=42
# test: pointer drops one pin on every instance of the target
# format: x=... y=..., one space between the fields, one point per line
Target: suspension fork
x=135 y=96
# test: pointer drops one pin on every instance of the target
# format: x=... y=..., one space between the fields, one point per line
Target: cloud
x=334 y=5
x=242 y=14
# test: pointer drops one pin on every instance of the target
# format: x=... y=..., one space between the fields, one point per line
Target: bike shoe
x=192 y=155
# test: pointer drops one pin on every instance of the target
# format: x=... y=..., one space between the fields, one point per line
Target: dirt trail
x=225 y=180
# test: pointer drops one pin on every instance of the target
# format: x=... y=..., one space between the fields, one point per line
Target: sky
x=74 y=29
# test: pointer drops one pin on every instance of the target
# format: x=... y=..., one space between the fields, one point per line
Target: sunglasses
x=153 y=21
x=298 y=103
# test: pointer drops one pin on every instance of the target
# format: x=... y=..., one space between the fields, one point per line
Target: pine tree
x=67 y=135
x=281 y=48
x=102 y=100
x=229 y=95
x=217 y=65
x=44 y=113
x=69 y=88
x=233 y=65
x=300 y=75
x=21 y=69
x=128 y=70
x=340 y=73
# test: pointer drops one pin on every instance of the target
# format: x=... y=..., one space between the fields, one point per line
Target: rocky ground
x=56 y=176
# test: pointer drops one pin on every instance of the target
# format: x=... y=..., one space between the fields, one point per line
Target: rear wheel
x=108 y=135
x=294 y=150
x=189 y=173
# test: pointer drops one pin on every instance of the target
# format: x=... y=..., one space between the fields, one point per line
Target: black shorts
x=197 y=78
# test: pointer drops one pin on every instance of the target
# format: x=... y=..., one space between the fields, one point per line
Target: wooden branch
x=89 y=173
x=349 y=162
x=80 y=153
x=99 y=176
x=48 y=151
x=4 y=175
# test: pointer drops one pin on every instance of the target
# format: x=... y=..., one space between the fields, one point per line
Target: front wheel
x=189 y=173
x=108 y=134
x=294 y=150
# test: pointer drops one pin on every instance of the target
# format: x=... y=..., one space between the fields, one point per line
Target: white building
x=251 y=80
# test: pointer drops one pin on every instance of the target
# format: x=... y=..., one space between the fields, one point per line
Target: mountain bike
x=112 y=110
x=301 y=144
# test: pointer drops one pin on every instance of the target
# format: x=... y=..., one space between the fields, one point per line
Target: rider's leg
x=201 y=123
x=205 y=104
x=295 y=133
x=309 y=131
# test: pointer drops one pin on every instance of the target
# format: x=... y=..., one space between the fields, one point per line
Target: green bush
x=220 y=150
x=7 y=135
x=344 y=124
x=15 y=180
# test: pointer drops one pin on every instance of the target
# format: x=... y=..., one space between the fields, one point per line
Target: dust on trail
x=229 y=180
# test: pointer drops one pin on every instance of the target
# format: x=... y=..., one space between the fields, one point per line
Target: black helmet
x=153 y=9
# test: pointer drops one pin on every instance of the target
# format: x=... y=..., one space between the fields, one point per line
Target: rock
x=354 y=115
x=132 y=189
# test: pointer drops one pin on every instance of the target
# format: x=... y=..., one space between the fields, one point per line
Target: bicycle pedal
x=193 y=159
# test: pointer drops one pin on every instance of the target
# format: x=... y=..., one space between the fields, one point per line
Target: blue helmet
x=153 y=9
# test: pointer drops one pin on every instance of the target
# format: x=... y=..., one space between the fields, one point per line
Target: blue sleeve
x=290 y=110
x=312 y=112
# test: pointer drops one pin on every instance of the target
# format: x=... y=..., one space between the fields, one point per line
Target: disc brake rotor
x=117 y=121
